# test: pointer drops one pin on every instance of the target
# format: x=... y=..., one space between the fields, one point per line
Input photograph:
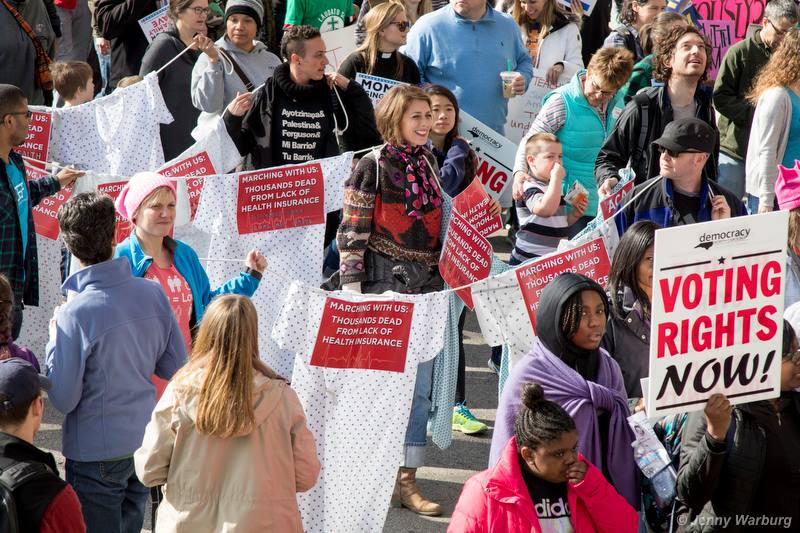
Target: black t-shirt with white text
x=549 y=500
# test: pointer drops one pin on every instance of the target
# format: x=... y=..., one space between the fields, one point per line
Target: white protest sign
x=495 y=154
x=339 y=44
x=375 y=86
x=588 y=5
x=156 y=22
x=717 y=311
x=523 y=109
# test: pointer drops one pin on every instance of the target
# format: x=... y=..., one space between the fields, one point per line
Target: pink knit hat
x=139 y=187
x=787 y=187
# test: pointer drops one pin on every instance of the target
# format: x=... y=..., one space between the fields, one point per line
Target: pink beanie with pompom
x=139 y=187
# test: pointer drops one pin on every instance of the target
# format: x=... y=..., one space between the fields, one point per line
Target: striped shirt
x=538 y=235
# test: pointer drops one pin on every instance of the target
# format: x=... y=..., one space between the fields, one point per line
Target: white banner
x=717 y=311
x=523 y=109
x=495 y=154
x=375 y=86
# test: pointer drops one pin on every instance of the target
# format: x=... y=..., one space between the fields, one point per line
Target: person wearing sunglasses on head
x=18 y=197
x=684 y=195
x=386 y=26
x=739 y=468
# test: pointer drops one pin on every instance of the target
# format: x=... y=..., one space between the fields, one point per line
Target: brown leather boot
x=408 y=495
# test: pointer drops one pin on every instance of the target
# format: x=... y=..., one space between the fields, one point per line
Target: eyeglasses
x=779 y=32
x=674 y=154
x=594 y=89
x=402 y=26
x=794 y=357
x=28 y=113
x=200 y=10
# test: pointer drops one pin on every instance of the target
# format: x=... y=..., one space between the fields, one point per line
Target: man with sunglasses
x=682 y=194
x=18 y=197
x=736 y=74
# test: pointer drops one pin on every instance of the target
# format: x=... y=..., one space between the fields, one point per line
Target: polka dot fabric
x=296 y=252
x=117 y=134
x=358 y=417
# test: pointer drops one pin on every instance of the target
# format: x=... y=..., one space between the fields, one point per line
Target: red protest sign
x=466 y=257
x=44 y=215
x=124 y=227
x=196 y=165
x=612 y=203
x=589 y=259
x=371 y=335
x=37 y=142
x=473 y=204
x=280 y=198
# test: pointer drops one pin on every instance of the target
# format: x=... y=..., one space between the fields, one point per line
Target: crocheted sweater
x=375 y=218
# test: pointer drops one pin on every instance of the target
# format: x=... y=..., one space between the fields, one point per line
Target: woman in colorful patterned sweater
x=389 y=241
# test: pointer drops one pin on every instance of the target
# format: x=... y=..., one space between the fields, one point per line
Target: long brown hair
x=782 y=69
x=226 y=353
x=378 y=19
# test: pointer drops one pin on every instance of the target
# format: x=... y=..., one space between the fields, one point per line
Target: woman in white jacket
x=552 y=35
x=228 y=438
x=775 y=134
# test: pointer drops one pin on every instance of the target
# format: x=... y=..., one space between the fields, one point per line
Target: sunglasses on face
x=402 y=26
x=674 y=154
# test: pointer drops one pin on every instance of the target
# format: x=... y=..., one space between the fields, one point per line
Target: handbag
x=42 y=73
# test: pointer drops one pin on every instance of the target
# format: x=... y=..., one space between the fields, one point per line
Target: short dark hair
x=665 y=51
x=294 y=40
x=11 y=97
x=69 y=77
x=539 y=420
x=87 y=223
x=16 y=415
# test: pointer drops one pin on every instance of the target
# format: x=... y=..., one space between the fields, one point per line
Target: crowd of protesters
x=162 y=384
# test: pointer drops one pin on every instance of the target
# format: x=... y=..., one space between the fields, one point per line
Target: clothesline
x=286 y=278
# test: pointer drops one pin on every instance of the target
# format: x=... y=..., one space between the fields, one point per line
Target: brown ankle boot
x=409 y=496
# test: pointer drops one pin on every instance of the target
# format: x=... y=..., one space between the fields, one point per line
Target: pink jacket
x=497 y=500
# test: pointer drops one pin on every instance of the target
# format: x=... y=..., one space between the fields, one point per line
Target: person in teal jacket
x=581 y=114
x=148 y=201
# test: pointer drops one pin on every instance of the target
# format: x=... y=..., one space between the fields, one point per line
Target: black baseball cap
x=19 y=383
x=688 y=134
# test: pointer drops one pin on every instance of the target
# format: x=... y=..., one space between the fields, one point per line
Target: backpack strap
x=238 y=70
x=643 y=102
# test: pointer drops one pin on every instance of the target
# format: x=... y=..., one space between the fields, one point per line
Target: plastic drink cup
x=508 y=81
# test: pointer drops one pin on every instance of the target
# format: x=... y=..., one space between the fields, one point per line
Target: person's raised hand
x=607 y=186
x=557 y=172
x=255 y=260
x=580 y=208
x=516 y=186
x=494 y=207
x=718 y=416
x=241 y=104
x=576 y=472
x=334 y=78
x=720 y=208
x=103 y=45
x=67 y=176
x=206 y=45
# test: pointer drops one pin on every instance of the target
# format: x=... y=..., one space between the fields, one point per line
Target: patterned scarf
x=422 y=192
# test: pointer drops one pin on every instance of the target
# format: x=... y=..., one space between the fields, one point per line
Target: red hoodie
x=497 y=500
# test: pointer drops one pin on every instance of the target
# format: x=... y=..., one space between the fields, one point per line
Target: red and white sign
x=156 y=22
x=717 y=312
x=589 y=259
x=473 y=204
x=466 y=257
x=192 y=167
x=280 y=198
x=37 y=142
x=495 y=156
x=371 y=335
x=124 y=227
x=614 y=201
x=45 y=221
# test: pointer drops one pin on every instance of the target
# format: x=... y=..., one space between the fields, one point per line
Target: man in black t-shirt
x=681 y=194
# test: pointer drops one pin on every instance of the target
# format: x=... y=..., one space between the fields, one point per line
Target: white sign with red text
x=496 y=156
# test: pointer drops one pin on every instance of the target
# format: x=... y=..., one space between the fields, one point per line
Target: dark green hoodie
x=734 y=80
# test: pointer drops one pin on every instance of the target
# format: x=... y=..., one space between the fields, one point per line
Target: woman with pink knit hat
x=148 y=201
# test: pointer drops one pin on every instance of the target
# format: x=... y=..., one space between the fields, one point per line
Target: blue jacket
x=467 y=58
x=655 y=204
x=188 y=265
x=110 y=339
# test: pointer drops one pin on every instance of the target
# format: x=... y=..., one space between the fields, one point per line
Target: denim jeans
x=417 y=430
x=731 y=174
x=112 y=497
x=105 y=71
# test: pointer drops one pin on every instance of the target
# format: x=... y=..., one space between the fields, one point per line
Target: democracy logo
x=707 y=240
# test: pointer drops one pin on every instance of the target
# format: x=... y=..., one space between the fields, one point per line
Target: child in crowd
x=544 y=215
x=7 y=347
x=74 y=81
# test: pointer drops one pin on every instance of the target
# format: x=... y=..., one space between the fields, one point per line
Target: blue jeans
x=105 y=71
x=417 y=430
x=112 y=497
x=731 y=174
